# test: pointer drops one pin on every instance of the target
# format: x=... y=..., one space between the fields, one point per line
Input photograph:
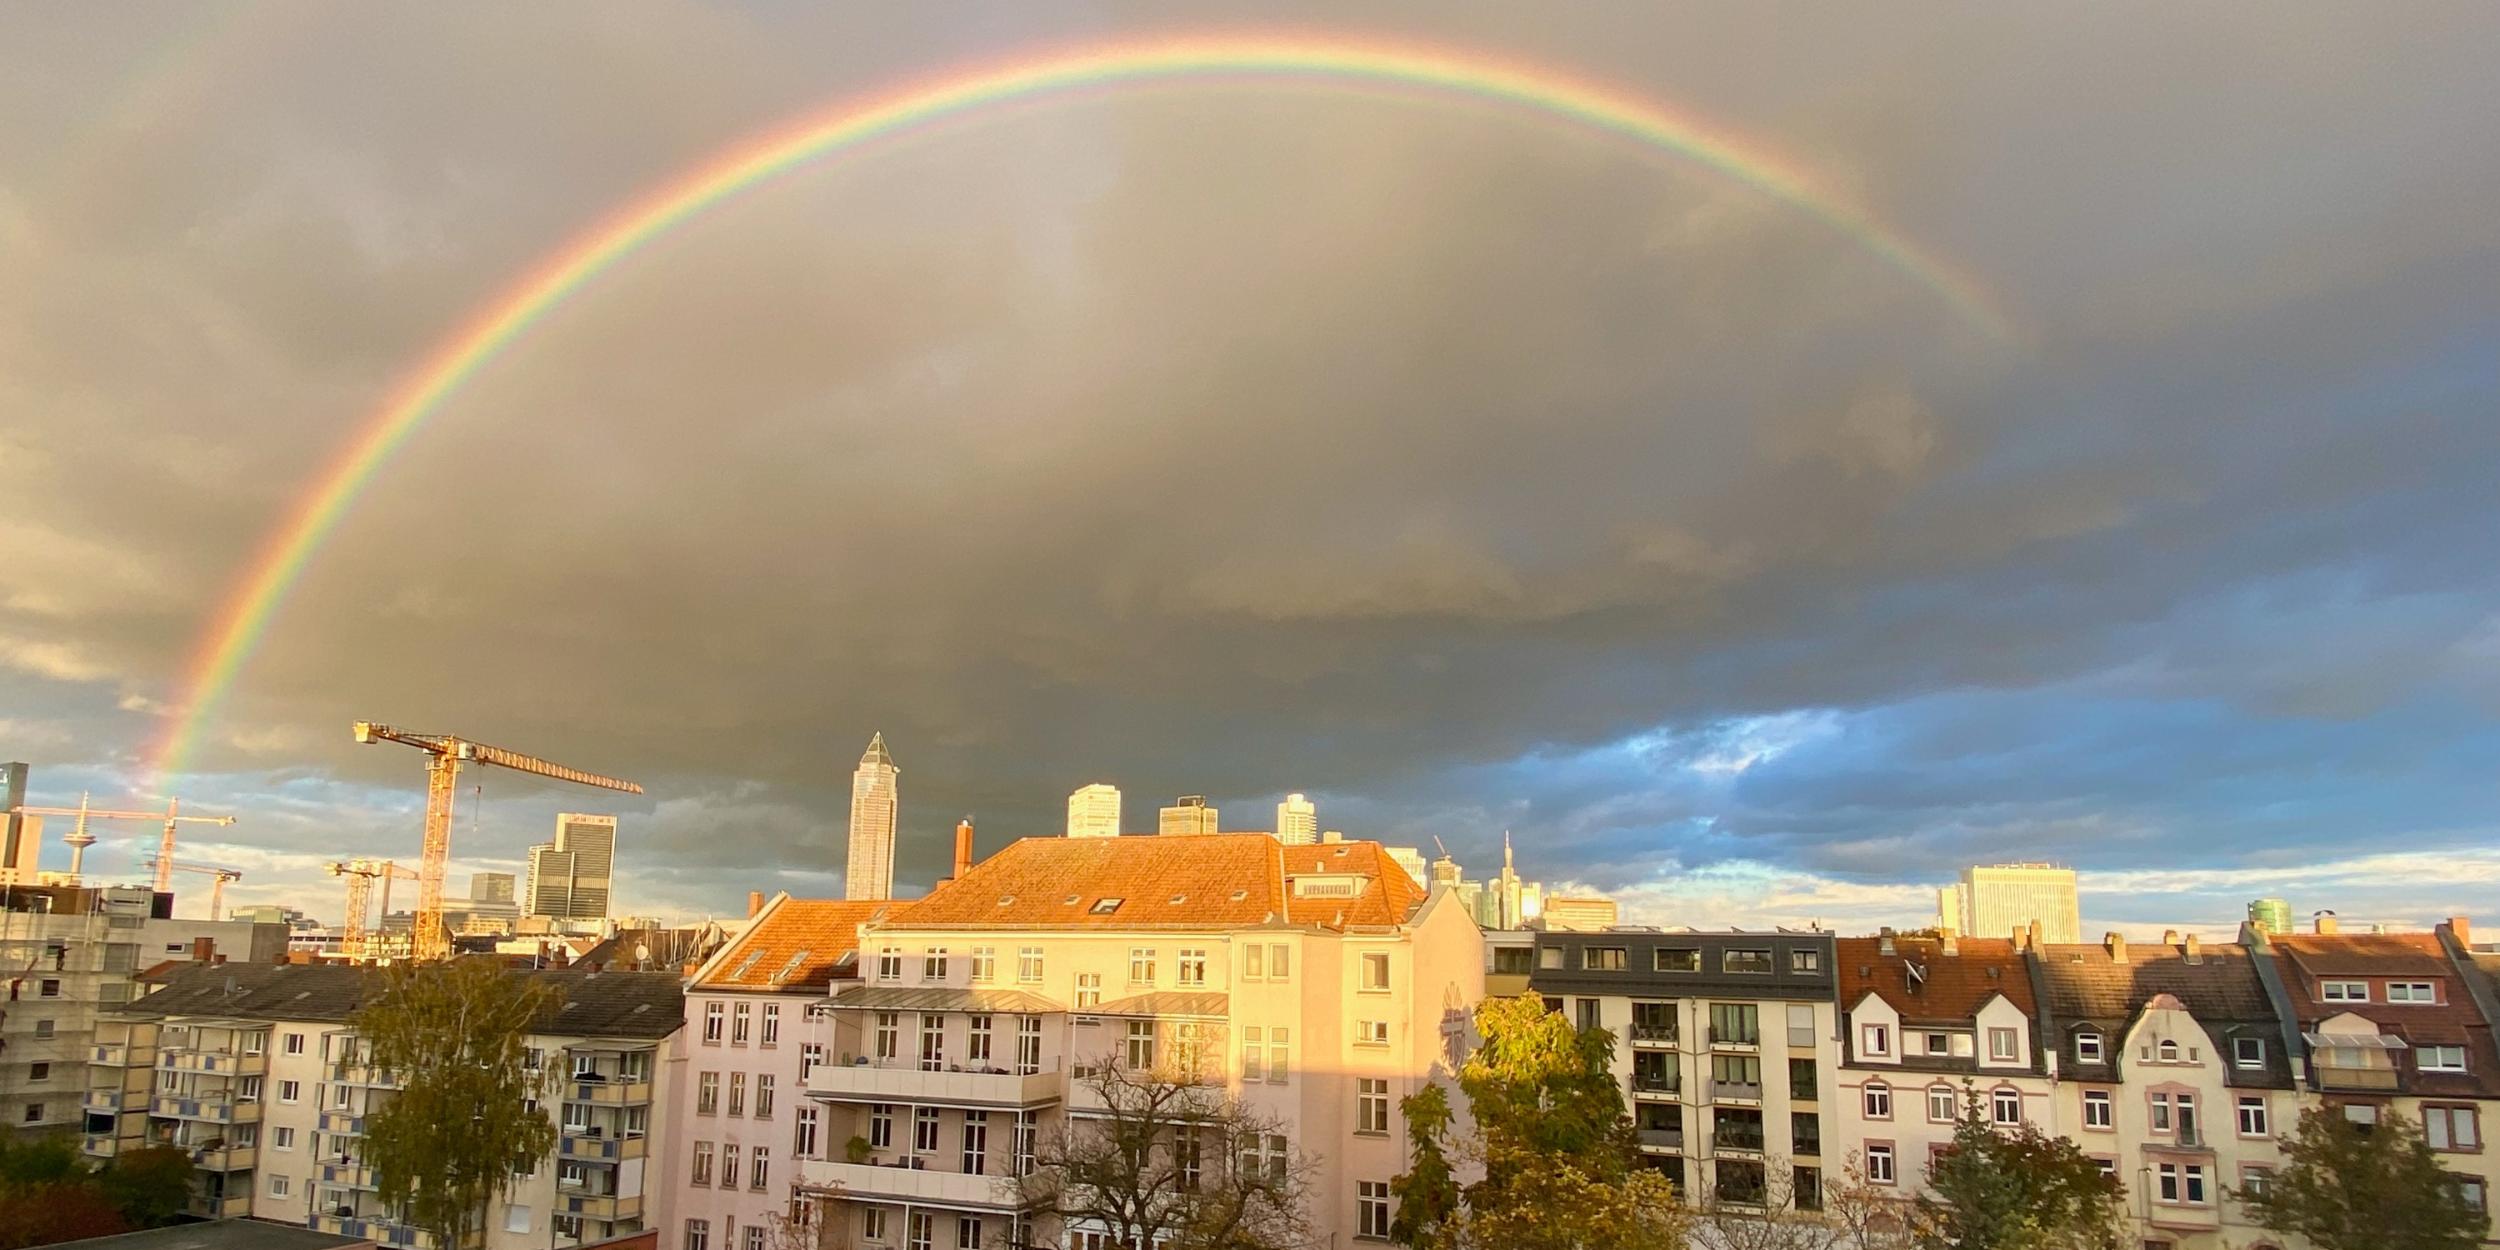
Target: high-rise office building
x=551 y=881
x=875 y=799
x=1188 y=815
x=1297 y=821
x=1993 y=900
x=16 y=832
x=571 y=877
x=491 y=887
x=2270 y=915
x=1094 y=812
x=1580 y=915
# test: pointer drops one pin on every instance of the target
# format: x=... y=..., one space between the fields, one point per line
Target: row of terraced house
x=879 y=1072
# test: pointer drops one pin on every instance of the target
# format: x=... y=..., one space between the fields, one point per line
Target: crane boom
x=79 y=839
x=447 y=753
x=216 y=891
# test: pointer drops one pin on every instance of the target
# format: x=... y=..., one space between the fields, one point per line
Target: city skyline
x=1902 y=465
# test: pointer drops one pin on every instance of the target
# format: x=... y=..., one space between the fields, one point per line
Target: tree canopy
x=2001 y=1187
x=1168 y=1159
x=2347 y=1186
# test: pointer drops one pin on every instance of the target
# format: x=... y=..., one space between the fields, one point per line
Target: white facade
x=1994 y=900
x=1094 y=812
x=1297 y=821
x=875 y=800
x=1189 y=815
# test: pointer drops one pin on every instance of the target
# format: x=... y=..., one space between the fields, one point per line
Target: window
x=1140 y=1051
x=1371 y=1210
x=976 y=1143
x=1252 y=1037
x=932 y=1042
x=698 y=1235
x=2097 y=1112
x=1879 y=1163
x=984 y=964
x=1513 y=961
x=1276 y=1050
x=764 y=1096
x=707 y=1093
x=1088 y=990
x=1592 y=1015
x=880 y=1126
x=1875 y=1039
x=1801 y=1080
x=2248 y=1052
x=2472 y=1191
x=2169 y=1050
x=50 y=988
x=277 y=1185
x=1805 y=960
x=249 y=1089
x=742 y=1026
x=919 y=1231
x=890 y=963
x=1744 y=959
x=889 y=1034
x=872 y=1224
x=294 y=1043
x=2254 y=1181
x=1940 y=1105
x=1279 y=961
x=1604 y=958
x=1371 y=1106
x=2439 y=1058
x=1141 y=965
x=1740 y=1023
x=2002 y=1045
x=290 y=1091
x=1371 y=1032
x=2344 y=991
x=759 y=1166
x=2451 y=1128
x=967 y=1233
x=933 y=964
x=700 y=1171
x=1878 y=1101
x=803 y=1132
x=43 y=1072
x=43 y=1028
x=1192 y=966
x=737 y=1093
x=2005 y=1106
x=715 y=1018
x=1028 y=1044
x=282 y=1138
x=1676 y=959
x=2361 y=1113
x=1801 y=1024
x=1375 y=973
x=753 y=1235
x=977 y=1038
x=810 y=1055
x=2088 y=1046
x=728 y=1166
x=924 y=1130
x=1939 y=1043
x=2411 y=992
x=1028 y=1130
x=2252 y=1112
x=1029 y=965
x=1254 y=962
x=2183 y=1183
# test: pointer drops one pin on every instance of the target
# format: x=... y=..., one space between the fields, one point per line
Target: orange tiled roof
x=815 y=932
x=1956 y=986
x=1174 y=881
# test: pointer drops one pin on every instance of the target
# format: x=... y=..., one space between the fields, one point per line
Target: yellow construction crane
x=216 y=891
x=442 y=774
x=78 y=839
x=361 y=874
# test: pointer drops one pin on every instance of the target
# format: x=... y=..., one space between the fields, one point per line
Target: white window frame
x=2090 y=1047
x=2343 y=991
x=2100 y=1101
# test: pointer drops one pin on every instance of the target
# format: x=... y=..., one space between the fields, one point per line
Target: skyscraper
x=551 y=881
x=1094 y=812
x=874 y=801
x=1190 y=814
x=1994 y=900
x=490 y=887
x=1297 y=821
x=571 y=877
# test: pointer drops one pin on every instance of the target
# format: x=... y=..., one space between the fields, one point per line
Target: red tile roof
x=1955 y=987
x=1173 y=881
x=792 y=946
x=2308 y=958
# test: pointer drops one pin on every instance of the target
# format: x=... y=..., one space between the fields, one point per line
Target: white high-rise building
x=1297 y=821
x=874 y=801
x=1190 y=814
x=1094 y=812
x=1993 y=900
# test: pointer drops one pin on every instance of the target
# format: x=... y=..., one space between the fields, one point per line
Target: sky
x=1466 y=470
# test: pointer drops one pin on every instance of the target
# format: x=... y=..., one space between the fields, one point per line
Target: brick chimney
x=2195 y=949
x=204 y=950
x=2117 y=944
x=2463 y=930
x=2031 y=937
x=2170 y=937
x=1884 y=945
x=2325 y=923
x=755 y=903
x=1951 y=944
x=963 y=848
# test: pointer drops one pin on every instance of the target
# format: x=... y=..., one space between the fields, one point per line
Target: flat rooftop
x=221 y=1235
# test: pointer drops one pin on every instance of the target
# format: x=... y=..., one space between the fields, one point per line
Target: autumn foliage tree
x=2000 y=1187
x=465 y=1115
x=1559 y=1163
x=2345 y=1186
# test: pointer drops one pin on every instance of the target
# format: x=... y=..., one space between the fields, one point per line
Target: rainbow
x=234 y=633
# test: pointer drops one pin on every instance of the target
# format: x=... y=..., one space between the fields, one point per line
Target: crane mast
x=442 y=779
x=78 y=839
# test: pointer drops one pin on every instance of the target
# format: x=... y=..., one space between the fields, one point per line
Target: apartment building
x=65 y=953
x=2175 y=1074
x=1726 y=1044
x=1926 y=1023
x=1319 y=983
x=255 y=1070
x=2395 y=1022
x=741 y=1118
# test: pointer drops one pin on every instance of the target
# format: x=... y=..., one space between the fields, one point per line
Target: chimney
x=2031 y=937
x=963 y=848
x=2326 y=923
x=2170 y=937
x=1885 y=944
x=755 y=903
x=2117 y=944
x=2195 y=950
x=1951 y=943
x=2463 y=930
x=204 y=950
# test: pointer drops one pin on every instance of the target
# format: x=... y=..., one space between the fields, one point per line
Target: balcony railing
x=214 y=1062
x=886 y=1183
x=363 y=1074
x=350 y=1175
x=608 y=1093
x=228 y=1207
x=226 y=1159
x=100 y=1145
x=1737 y=1139
x=2354 y=1078
x=380 y=1232
x=1653 y=1034
x=1656 y=1086
x=1662 y=1138
x=116 y=1055
x=212 y=1110
x=599 y=1147
x=343 y=1123
x=903 y=1081
x=1735 y=1039
x=1735 y=1091
x=599 y=1206
x=1807 y=1147
x=105 y=1100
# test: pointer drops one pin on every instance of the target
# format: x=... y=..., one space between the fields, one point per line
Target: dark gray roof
x=593 y=1004
x=221 y=1235
x=2085 y=983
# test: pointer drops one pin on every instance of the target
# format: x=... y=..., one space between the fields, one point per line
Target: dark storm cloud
x=1464 y=471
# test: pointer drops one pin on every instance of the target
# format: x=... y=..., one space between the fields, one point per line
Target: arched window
x=2005 y=1105
x=2169 y=1051
x=2088 y=1046
x=1942 y=1107
x=1878 y=1101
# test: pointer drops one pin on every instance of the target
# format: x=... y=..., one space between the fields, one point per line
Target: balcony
x=116 y=1055
x=607 y=1093
x=108 y=1101
x=364 y=1075
x=229 y=1207
x=599 y=1148
x=1662 y=1139
x=571 y=1201
x=226 y=1159
x=101 y=1145
x=343 y=1123
x=2355 y=1078
x=1729 y=1141
x=350 y=1175
x=872 y=1182
x=1735 y=1039
x=379 y=1232
x=1653 y=1034
x=207 y=1110
x=1807 y=1147
x=1661 y=1088
x=904 y=1082
x=1746 y=1092
x=211 y=1062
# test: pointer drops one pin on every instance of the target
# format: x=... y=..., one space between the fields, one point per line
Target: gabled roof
x=2365 y=954
x=1949 y=989
x=2085 y=981
x=1173 y=881
x=2309 y=958
x=641 y=1005
x=794 y=945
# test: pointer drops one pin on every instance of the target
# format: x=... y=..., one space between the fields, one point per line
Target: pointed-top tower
x=874 y=801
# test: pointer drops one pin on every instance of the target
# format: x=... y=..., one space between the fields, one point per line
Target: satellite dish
x=642 y=953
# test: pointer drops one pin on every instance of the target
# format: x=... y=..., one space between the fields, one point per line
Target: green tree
x=1561 y=1167
x=26 y=1164
x=445 y=1144
x=1170 y=1160
x=2346 y=1186
x=147 y=1185
x=2001 y=1188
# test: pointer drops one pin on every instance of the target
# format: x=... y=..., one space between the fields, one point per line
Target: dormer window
x=2088 y=1047
x=2344 y=991
x=1106 y=906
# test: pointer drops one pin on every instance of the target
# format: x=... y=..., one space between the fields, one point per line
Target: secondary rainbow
x=1283 y=61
